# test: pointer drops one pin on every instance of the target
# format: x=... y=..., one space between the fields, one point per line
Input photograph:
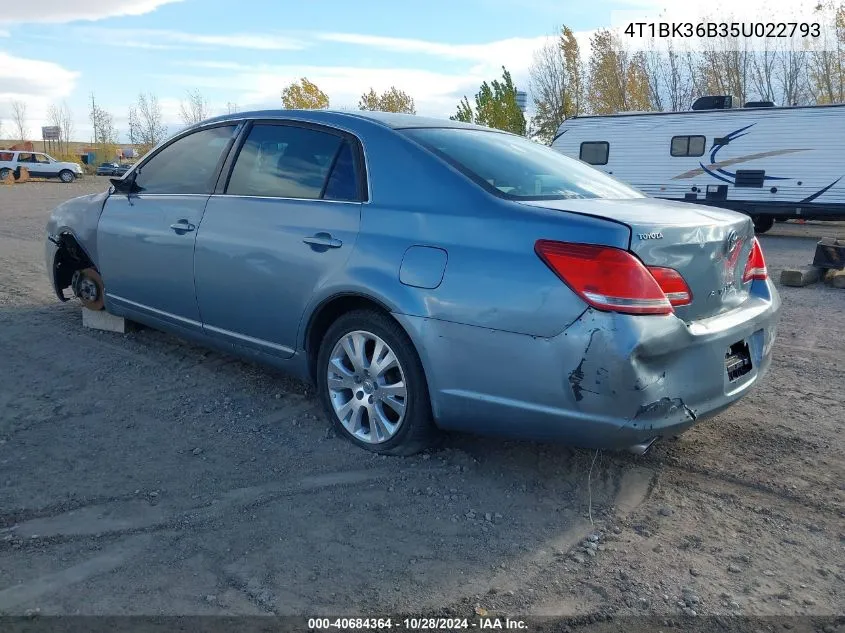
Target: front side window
x=518 y=169
x=595 y=152
x=687 y=146
x=188 y=165
x=287 y=161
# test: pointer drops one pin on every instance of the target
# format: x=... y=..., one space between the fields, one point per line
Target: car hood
x=79 y=216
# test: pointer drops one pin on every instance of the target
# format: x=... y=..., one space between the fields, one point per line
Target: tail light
x=609 y=278
x=756 y=266
x=672 y=285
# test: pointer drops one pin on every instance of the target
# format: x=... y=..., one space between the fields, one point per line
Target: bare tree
x=103 y=125
x=19 y=120
x=670 y=83
x=827 y=61
x=60 y=116
x=195 y=108
x=231 y=108
x=146 y=122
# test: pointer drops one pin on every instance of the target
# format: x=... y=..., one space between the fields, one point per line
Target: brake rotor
x=88 y=287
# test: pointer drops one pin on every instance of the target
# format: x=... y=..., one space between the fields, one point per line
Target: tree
x=105 y=134
x=146 y=123
x=195 y=108
x=19 y=120
x=556 y=83
x=670 y=82
x=304 y=95
x=618 y=78
x=231 y=108
x=827 y=61
x=60 y=116
x=495 y=106
x=725 y=68
x=392 y=100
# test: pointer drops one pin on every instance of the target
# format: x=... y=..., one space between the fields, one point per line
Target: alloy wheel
x=367 y=387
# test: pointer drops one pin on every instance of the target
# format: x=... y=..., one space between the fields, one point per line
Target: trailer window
x=687 y=146
x=595 y=152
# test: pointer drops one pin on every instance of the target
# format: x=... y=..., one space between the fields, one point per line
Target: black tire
x=417 y=430
x=763 y=223
x=67 y=176
x=4 y=173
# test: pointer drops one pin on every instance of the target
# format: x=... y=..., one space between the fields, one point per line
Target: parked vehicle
x=39 y=165
x=430 y=274
x=769 y=162
x=108 y=169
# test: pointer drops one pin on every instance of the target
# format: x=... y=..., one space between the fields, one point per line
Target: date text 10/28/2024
x=415 y=624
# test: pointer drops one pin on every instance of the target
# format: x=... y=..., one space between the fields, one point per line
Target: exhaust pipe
x=643 y=448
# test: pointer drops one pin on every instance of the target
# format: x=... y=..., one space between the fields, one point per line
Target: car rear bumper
x=607 y=381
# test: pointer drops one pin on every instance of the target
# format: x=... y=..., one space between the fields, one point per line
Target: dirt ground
x=140 y=474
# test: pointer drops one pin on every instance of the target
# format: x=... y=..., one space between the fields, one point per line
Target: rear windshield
x=514 y=167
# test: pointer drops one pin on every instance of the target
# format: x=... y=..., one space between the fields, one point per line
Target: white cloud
x=36 y=83
x=164 y=39
x=261 y=86
x=64 y=11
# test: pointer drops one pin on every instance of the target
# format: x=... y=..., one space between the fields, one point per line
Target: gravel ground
x=140 y=474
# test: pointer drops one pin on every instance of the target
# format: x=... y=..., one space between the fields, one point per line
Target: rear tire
x=4 y=173
x=763 y=223
x=66 y=176
x=361 y=399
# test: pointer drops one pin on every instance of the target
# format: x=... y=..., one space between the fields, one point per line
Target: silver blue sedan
x=427 y=275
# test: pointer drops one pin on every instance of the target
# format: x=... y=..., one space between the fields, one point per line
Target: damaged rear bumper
x=607 y=381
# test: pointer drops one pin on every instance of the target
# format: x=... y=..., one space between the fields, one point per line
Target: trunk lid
x=709 y=247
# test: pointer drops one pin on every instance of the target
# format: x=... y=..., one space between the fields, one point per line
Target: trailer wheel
x=763 y=223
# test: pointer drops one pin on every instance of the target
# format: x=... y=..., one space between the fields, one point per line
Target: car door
x=286 y=221
x=47 y=167
x=145 y=239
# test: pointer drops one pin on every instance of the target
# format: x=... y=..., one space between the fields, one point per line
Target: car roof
x=392 y=120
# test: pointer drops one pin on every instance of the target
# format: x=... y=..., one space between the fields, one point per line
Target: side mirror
x=126 y=184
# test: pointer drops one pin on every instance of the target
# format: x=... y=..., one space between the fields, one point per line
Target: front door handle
x=182 y=226
x=323 y=239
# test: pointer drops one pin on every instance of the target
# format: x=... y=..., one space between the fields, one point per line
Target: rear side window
x=687 y=146
x=188 y=165
x=286 y=161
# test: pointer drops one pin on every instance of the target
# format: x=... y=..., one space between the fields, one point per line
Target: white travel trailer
x=769 y=162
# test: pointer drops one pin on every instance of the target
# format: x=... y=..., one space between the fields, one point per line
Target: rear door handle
x=323 y=239
x=182 y=226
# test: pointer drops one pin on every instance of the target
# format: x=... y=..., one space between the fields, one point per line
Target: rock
x=665 y=511
x=734 y=569
x=657 y=548
x=769 y=572
x=210 y=598
x=690 y=612
x=579 y=559
x=692 y=600
x=694 y=571
x=593 y=538
x=590 y=552
x=197 y=451
x=809 y=601
x=497 y=515
x=733 y=604
x=617 y=529
x=802 y=276
x=590 y=545
x=828 y=628
x=488 y=516
x=644 y=604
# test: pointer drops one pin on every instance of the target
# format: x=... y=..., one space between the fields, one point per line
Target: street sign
x=51 y=133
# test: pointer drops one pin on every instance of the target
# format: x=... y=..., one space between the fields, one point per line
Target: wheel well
x=328 y=313
x=70 y=257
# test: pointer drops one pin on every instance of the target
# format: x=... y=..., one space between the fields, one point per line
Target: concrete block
x=102 y=320
x=803 y=276
x=836 y=278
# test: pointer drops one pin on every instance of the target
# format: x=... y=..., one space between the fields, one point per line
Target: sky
x=55 y=51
